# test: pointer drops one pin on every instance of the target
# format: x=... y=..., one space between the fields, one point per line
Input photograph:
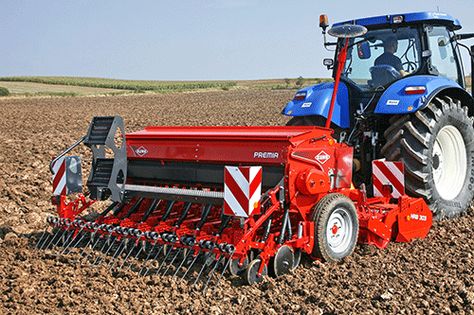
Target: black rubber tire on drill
x=321 y=216
x=411 y=139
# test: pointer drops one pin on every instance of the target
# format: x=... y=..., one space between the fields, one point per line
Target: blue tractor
x=402 y=96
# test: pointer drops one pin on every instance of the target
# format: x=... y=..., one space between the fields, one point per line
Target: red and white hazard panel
x=59 y=177
x=242 y=190
x=388 y=178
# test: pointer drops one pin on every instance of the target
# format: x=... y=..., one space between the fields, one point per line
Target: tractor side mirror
x=443 y=41
x=363 y=50
x=328 y=62
x=442 y=44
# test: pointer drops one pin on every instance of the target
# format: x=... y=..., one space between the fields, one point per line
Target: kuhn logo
x=322 y=157
x=265 y=155
x=141 y=151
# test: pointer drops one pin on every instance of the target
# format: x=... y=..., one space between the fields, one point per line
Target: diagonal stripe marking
x=384 y=180
x=396 y=182
x=235 y=206
x=237 y=192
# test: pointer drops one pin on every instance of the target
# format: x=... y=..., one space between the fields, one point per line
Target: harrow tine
x=225 y=268
x=62 y=235
x=45 y=232
x=182 y=262
x=97 y=241
x=206 y=256
x=148 y=257
x=136 y=256
x=68 y=238
x=164 y=261
x=154 y=257
x=46 y=235
x=72 y=241
x=98 y=259
x=122 y=246
x=52 y=239
x=172 y=260
x=212 y=272
x=126 y=256
x=192 y=263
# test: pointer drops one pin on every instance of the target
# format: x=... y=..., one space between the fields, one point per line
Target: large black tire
x=324 y=215
x=414 y=140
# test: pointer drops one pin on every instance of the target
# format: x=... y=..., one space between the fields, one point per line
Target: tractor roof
x=411 y=18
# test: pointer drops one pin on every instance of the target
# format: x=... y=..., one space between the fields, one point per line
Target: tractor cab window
x=382 y=56
x=443 y=61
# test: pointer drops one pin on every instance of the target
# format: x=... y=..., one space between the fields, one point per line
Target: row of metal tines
x=159 y=253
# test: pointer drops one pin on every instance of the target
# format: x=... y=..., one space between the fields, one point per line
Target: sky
x=183 y=40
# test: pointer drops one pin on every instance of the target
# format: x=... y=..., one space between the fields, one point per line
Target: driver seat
x=383 y=75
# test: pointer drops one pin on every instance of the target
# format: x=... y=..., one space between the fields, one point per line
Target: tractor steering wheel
x=410 y=66
x=383 y=75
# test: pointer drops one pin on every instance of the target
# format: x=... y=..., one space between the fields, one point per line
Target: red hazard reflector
x=300 y=96
x=413 y=90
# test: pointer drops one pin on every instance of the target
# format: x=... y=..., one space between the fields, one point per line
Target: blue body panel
x=317 y=102
x=395 y=101
x=416 y=17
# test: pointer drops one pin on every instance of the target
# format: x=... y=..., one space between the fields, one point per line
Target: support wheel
x=251 y=273
x=436 y=146
x=336 y=228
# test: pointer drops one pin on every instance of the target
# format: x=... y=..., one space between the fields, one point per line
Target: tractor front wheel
x=436 y=145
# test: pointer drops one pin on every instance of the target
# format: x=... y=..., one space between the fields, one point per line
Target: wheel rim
x=339 y=230
x=449 y=162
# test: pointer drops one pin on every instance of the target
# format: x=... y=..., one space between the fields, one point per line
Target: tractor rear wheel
x=437 y=148
x=336 y=228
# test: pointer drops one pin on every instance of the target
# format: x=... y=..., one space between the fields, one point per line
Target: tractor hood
x=315 y=101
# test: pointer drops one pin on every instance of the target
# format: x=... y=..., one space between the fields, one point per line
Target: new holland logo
x=141 y=151
x=322 y=157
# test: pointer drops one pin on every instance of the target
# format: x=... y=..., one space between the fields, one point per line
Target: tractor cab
x=412 y=44
x=400 y=47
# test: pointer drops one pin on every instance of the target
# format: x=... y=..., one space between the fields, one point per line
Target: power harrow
x=198 y=202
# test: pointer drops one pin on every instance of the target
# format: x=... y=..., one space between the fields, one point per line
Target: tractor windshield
x=382 y=56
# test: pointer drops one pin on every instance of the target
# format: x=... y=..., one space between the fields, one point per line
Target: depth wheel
x=297 y=254
x=237 y=269
x=435 y=144
x=282 y=263
x=336 y=228
x=251 y=276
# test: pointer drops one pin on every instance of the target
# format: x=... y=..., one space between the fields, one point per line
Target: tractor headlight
x=397 y=19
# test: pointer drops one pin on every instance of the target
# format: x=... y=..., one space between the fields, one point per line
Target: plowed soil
x=430 y=276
